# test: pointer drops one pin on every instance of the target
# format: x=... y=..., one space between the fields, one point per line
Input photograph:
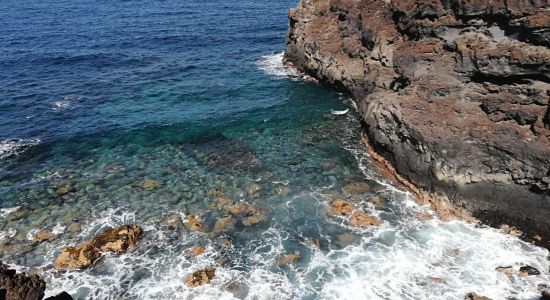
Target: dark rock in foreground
x=455 y=94
x=15 y=286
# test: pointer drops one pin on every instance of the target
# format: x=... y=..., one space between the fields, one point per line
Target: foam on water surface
x=272 y=64
x=12 y=147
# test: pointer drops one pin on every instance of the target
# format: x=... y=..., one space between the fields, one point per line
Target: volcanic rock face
x=15 y=286
x=454 y=93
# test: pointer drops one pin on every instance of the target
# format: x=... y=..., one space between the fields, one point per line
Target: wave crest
x=272 y=64
x=11 y=147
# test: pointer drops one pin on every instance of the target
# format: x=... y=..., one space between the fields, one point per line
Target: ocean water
x=96 y=97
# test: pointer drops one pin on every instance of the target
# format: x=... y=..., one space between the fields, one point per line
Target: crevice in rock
x=508 y=80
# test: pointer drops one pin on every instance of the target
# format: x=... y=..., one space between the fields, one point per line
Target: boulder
x=424 y=217
x=196 y=251
x=63 y=189
x=223 y=224
x=116 y=240
x=525 y=271
x=200 y=277
x=43 y=236
x=341 y=207
x=506 y=271
x=474 y=296
x=254 y=190
x=289 y=259
x=193 y=224
x=362 y=219
x=149 y=184
x=78 y=257
x=15 y=286
x=173 y=222
x=254 y=219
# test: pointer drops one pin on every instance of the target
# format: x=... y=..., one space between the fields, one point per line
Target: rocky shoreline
x=453 y=94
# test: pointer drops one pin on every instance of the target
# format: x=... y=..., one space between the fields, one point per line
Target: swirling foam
x=272 y=64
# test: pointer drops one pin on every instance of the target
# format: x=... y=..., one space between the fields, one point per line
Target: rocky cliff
x=454 y=93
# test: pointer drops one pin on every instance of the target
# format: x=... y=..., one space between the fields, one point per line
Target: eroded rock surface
x=82 y=256
x=200 y=277
x=455 y=94
x=15 y=286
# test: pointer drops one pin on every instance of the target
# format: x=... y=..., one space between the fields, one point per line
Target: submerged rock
x=223 y=224
x=528 y=271
x=474 y=296
x=253 y=220
x=254 y=190
x=149 y=184
x=197 y=250
x=193 y=224
x=173 y=222
x=506 y=271
x=200 y=277
x=63 y=190
x=43 y=236
x=289 y=259
x=341 y=207
x=240 y=208
x=357 y=188
x=15 y=286
x=362 y=219
x=424 y=217
x=116 y=240
x=74 y=227
x=511 y=230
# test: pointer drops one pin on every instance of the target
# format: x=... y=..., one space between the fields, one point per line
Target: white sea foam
x=272 y=64
x=404 y=258
x=4 y=212
x=7 y=234
x=11 y=147
x=67 y=102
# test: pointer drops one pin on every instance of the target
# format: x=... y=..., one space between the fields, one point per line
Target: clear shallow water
x=100 y=96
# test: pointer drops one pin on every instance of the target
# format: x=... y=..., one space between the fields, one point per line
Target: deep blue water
x=121 y=65
x=99 y=98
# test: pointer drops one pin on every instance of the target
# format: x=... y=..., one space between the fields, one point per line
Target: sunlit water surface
x=98 y=97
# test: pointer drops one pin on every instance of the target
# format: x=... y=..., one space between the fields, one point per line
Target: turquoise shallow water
x=99 y=98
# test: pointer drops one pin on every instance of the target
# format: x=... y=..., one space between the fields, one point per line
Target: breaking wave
x=11 y=147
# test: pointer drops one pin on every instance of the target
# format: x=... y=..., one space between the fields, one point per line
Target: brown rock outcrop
x=15 y=286
x=362 y=219
x=454 y=94
x=200 y=277
x=341 y=207
x=116 y=240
